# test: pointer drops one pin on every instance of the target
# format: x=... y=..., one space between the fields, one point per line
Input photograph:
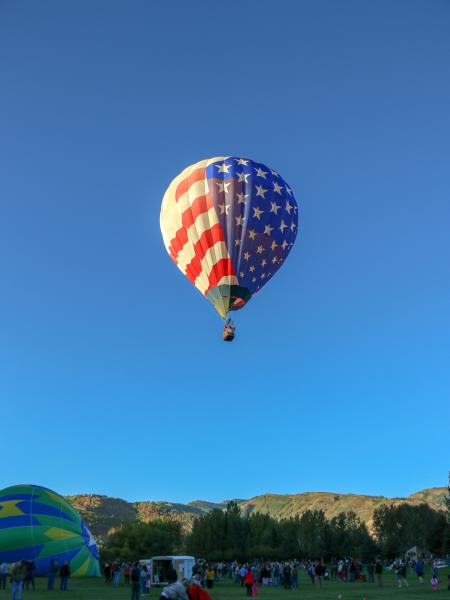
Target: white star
x=282 y=225
x=268 y=229
x=293 y=226
x=263 y=262
x=274 y=259
x=259 y=249
x=277 y=188
x=237 y=242
x=295 y=209
x=223 y=168
x=289 y=191
x=275 y=207
x=223 y=187
x=260 y=191
x=247 y=255
x=252 y=268
x=224 y=208
x=241 y=161
x=243 y=176
x=257 y=213
x=242 y=274
x=239 y=220
x=274 y=173
x=289 y=207
x=274 y=245
x=242 y=197
x=284 y=245
x=263 y=275
x=261 y=173
x=253 y=279
x=252 y=234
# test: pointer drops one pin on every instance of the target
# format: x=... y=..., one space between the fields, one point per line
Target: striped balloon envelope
x=40 y=525
x=229 y=224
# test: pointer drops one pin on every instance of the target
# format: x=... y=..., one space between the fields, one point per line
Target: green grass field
x=96 y=589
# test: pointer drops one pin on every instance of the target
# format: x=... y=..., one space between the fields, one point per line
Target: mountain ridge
x=105 y=514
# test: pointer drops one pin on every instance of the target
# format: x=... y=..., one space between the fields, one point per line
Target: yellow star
x=257 y=213
x=247 y=255
x=243 y=176
x=289 y=207
x=274 y=245
x=237 y=242
x=242 y=197
x=277 y=188
x=275 y=207
x=268 y=229
x=252 y=268
x=260 y=191
x=223 y=168
x=260 y=173
x=242 y=161
x=283 y=225
x=252 y=234
x=223 y=187
x=239 y=220
x=260 y=249
x=224 y=208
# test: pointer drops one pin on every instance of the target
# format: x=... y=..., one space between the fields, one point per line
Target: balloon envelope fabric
x=40 y=525
x=228 y=223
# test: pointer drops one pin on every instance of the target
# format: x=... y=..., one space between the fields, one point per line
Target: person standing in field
x=318 y=571
x=64 y=573
x=379 y=573
x=17 y=576
x=249 y=580
x=135 y=578
x=420 y=567
x=242 y=574
x=51 y=574
x=4 y=570
x=210 y=577
x=117 y=567
x=370 y=572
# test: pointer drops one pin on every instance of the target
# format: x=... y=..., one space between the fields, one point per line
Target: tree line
x=229 y=534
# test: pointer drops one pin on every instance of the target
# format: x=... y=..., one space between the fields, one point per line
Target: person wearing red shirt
x=249 y=580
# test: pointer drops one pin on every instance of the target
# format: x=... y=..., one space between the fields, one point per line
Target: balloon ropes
x=228 y=223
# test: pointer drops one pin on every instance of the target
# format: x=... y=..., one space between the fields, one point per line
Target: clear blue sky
x=113 y=375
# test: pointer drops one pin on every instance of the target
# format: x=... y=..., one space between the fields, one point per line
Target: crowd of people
x=21 y=575
x=250 y=576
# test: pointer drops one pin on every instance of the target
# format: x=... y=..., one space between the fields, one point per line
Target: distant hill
x=104 y=514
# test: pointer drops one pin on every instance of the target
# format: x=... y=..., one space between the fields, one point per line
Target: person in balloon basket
x=64 y=573
x=51 y=574
x=229 y=331
x=18 y=573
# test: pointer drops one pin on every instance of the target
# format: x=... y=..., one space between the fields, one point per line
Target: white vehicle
x=159 y=566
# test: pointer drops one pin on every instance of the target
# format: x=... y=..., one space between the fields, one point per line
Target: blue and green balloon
x=40 y=525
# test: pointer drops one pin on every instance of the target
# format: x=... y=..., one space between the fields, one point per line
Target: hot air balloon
x=40 y=525
x=228 y=223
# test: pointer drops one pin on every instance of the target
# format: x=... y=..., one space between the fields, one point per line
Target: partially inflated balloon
x=40 y=525
x=228 y=223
